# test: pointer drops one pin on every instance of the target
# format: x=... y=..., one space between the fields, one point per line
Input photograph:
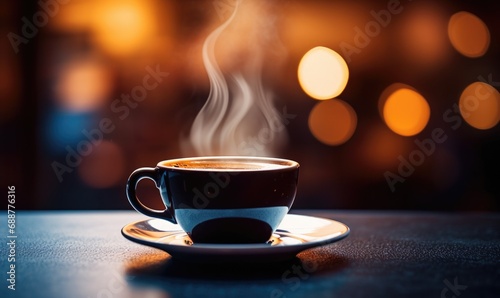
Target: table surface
x=387 y=254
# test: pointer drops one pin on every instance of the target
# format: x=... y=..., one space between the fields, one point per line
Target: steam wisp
x=239 y=117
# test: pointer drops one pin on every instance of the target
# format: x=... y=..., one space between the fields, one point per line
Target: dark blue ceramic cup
x=221 y=199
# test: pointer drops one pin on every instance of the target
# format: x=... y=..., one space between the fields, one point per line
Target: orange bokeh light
x=122 y=27
x=388 y=92
x=423 y=35
x=480 y=105
x=405 y=111
x=119 y=27
x=333 y=122
x=468 y=34
x=83 y=85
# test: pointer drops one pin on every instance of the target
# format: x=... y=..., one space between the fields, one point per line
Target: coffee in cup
x=221 y=199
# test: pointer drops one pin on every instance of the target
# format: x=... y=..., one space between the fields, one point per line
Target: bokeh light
x=480 y=105
x=333 y=122
x=119 y=28
x=83 y=85
x=323 y=73
x=64 y=129
x=388 y=91
x=422 y=35
x=104 y=166
x=122 y=27
x=468 y=34
x=405 y=111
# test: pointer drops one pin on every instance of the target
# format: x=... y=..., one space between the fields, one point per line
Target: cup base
x=226 y=226
x=231 y=230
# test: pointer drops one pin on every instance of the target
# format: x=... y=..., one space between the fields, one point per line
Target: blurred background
x=385 y=104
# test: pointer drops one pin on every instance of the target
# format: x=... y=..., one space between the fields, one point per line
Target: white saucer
x=295 y=234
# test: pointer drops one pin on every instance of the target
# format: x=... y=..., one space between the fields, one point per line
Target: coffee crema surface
x=227 y=164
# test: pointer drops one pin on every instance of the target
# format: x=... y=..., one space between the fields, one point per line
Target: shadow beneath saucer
x=315 y=262
x=175 y=277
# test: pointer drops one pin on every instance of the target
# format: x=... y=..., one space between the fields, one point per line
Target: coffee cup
x=221 y=199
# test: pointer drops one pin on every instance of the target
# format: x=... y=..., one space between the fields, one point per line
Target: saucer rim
x=232 y=250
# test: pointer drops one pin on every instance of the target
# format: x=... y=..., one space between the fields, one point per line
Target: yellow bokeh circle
x=323 y=73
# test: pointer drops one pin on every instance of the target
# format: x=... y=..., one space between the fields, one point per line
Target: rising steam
x=239 y=117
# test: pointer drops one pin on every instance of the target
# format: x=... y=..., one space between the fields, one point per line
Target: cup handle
x=133 y=180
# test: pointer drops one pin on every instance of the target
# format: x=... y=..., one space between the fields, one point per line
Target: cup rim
x=283 y=164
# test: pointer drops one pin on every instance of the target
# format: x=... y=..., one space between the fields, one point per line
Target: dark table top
x=387 y=254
